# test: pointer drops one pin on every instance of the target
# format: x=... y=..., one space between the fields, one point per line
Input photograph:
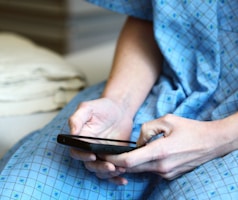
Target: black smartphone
x=96 y=145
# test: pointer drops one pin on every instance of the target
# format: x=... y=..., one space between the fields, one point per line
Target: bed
x=94 y=63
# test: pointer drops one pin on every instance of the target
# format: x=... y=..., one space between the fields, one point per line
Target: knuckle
x=128 y=163
x=147 y=131
x=106 y=166
x=163 y=154
x=165 y=169
x=167 y=122
x=170 y=176
x=88 y=166
x=144 y=127
x=81 y=105
x=71 y=120
x=85 y=104
x=167 y=177
x=166 y=118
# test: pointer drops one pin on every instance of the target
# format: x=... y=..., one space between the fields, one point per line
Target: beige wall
x=62 y=25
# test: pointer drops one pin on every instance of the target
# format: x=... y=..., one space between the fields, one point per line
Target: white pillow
x=33 y=78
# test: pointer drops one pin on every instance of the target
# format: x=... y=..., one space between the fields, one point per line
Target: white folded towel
x=33 y=78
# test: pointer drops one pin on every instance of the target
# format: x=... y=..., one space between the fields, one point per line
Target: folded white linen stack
x=34 y=79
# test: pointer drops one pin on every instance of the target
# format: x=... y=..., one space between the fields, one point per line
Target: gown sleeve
x=136 y=8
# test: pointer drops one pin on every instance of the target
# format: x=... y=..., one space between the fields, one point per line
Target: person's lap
x=39 y=168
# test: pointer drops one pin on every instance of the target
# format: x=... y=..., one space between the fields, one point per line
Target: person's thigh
x=217 y=179
x=40 y=168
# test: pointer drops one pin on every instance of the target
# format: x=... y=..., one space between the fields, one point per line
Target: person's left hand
x=186 y=144
x=104 y=118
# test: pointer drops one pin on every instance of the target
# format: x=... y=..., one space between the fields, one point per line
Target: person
x=172 y=88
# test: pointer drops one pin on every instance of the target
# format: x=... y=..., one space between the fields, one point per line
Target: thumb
x=78 y=119
x=153 y=128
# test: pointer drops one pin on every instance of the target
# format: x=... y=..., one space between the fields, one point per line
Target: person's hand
x=100 y=118
x=186 y=144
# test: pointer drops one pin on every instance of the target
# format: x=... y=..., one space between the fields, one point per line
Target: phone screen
x=97 y=145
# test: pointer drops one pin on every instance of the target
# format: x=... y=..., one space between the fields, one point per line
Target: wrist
x=121 y=100
x=229 y=131
x=225 y=135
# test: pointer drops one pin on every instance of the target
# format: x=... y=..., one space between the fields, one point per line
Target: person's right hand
x=100 y=118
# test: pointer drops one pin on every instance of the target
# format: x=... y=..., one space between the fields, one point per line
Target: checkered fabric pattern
x=199 y=41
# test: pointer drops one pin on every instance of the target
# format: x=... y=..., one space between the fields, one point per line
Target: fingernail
x=124 y=182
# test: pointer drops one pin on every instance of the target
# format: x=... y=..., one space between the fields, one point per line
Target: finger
x=152 y=167
x=145 y=167
x=145 y=136
x=82 y=115
x=159 y=168
x=153 y=128
x=100 y=167
x=153 y=151
x=119 y=180
x=103 y=175
x=81 y=155
x=110 y=174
